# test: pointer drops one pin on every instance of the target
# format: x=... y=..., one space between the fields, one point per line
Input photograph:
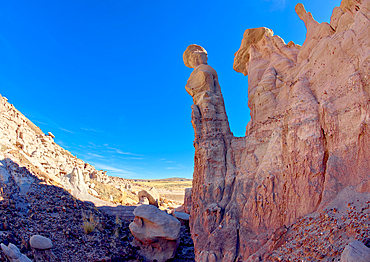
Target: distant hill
x=171 y=179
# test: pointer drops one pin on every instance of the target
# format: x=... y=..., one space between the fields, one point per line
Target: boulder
x=355 y=251
x=155 y=232
x=181 y=215
x=41 y=248
x=152 y=195
x=126 y=186
x=40 y=242
x=143 y=201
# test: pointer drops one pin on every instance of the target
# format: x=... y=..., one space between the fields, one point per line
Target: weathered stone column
x=213 y=170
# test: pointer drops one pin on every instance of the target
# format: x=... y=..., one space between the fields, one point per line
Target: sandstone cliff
x=307 y=141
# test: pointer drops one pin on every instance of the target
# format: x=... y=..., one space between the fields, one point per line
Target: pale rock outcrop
x=307 y=140
x=100 y=176
x=24 y=143
x=13 y=254
x=186 y=207
x=155 y=232
x=187 y=200
x=39 y=149
x=74 y=182
x=151 y=194
x=355 y=251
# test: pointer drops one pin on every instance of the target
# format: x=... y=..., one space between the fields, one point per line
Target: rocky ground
x=45 y=190
x=78 y=230
x=324 y=235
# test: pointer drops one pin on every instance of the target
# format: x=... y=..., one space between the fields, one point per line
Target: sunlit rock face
x=307 y=140
x=23 y=143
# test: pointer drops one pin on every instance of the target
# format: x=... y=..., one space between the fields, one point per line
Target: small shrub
x=88 y=227
x=116 y=232
x=107 y=192
x=118 y=221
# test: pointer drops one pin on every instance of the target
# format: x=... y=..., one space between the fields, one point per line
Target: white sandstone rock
x=156 y=233
x=355 y=251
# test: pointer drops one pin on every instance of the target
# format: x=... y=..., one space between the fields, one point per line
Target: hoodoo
x=306 y=147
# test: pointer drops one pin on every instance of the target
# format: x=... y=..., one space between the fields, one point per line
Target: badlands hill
x=25 y=144
x=45 y=190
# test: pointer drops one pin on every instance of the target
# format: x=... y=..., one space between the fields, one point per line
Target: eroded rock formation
x=24 y=143
x=13 y=254
x=307 y=140
x=151 y=194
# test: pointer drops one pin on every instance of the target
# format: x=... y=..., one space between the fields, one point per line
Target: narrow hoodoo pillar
x=213 y=170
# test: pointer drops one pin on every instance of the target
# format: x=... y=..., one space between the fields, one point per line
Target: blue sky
x=107 y=77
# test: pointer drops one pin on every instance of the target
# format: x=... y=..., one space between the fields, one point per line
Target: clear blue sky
x=107 y=77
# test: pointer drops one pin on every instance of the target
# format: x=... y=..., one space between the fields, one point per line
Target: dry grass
x=169 y=185
x=89 y=226
x=118 y=221
x=117 y=227
x=106 y=191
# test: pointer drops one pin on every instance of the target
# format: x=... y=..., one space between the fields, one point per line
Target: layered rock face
x=307 y=140
x=50 y=160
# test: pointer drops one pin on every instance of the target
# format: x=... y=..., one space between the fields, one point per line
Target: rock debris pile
x=324 y=235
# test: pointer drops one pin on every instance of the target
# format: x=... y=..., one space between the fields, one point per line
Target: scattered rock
x=93 y=192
